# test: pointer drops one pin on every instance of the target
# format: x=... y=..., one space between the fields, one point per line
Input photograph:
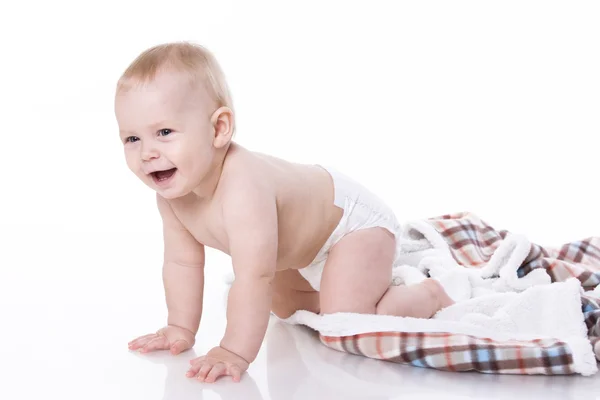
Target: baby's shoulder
x=244 y=185
x=246 y=172
x=247 y=184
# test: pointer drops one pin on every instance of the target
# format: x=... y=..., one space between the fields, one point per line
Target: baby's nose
x=149 y=153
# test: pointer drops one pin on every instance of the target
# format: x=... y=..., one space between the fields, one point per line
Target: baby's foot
x=438 y=293
x=407 y=275
x=456 y=284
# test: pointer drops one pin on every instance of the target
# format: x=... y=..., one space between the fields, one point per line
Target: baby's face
x=167 y=134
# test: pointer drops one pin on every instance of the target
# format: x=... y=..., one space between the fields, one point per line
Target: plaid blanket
x=562 y=279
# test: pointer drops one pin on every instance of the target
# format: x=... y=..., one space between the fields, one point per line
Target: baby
x=300 y=236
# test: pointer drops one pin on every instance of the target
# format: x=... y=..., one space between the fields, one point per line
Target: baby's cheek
x=134 y=167
x=198 y=165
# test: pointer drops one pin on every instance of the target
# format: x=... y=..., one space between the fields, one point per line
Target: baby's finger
x=218 y=370
x=158 y=343
x=204 y=370
x=179 y=346
x=192 y=372
x=137 y=339
x=197 y=360
x=141 y=341
x=193 y=369
x=235 y=372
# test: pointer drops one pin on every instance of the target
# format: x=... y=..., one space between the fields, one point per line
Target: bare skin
x=271 y=216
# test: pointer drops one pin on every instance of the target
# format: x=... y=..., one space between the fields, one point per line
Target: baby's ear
x=222 y=121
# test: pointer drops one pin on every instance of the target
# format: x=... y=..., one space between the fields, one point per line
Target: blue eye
x=132 y=139
x=164 y=132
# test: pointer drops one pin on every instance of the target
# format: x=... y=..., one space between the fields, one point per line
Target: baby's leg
x=357 y=277
x=292 y=293
x=421 y=300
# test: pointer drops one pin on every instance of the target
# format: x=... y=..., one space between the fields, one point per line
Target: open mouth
x=163 y=176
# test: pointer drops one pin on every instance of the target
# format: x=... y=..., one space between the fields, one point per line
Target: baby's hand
x=170 y=337
x=216 y=363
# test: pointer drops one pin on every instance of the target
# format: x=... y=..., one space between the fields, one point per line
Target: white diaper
x=362 y=210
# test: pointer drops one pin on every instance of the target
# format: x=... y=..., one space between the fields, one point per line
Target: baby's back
x=305 y=206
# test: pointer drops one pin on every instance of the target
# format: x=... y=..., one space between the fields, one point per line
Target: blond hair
x=189 y=58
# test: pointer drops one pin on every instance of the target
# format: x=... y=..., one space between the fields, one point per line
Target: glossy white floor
x=70 y=302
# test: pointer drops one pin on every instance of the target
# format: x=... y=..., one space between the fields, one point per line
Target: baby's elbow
x=256 y=278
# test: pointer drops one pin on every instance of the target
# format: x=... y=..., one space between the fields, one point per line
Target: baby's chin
x=170 y=194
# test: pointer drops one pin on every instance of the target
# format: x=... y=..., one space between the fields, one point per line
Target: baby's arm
x=183 y=279
x=250 y=218
x=183 y=271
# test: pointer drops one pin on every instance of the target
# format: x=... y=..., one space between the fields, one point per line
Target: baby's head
x=175 y=118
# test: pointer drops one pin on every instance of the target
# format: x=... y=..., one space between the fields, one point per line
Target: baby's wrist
x=182 y=327
x=238 y=354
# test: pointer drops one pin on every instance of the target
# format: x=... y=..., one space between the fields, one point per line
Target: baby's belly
x=296 y=255
x=300 y=249
x=288 y=261
x=291 y=279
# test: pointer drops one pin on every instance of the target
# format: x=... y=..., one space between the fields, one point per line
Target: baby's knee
x=281 y=305
x=285 y=303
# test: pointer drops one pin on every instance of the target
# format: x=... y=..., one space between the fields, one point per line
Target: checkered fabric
x=472 y=242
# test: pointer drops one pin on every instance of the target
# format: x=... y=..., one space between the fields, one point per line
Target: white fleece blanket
x=492 y=301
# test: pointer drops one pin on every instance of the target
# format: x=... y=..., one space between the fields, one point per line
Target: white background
x=490 y=107
x=438 y=107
